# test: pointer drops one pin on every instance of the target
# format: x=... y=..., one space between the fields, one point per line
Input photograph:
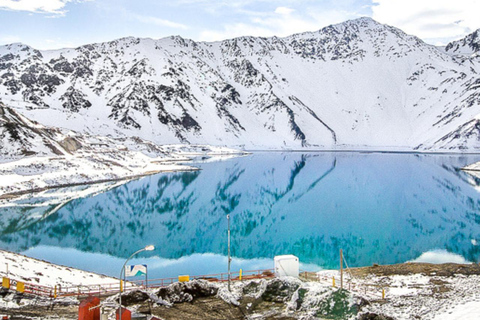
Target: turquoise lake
x=378 y=207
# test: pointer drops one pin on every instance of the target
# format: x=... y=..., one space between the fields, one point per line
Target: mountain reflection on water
x=378 y=207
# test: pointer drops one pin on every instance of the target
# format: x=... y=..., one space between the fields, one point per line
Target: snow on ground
x=85 y=167
x=29 y=270
x=60 y=196
x=424 y=297
x=82 y=167
x=22 y=268
x=469 y=310
x=34 y=157
x=418 y=296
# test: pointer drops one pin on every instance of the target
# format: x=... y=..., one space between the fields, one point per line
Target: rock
x=300 y=296
x=187 y=291
x=280 y=290
x=252 y=288
x=339 y=305
x=134 y=297
x=70 y=144
x=374 y=316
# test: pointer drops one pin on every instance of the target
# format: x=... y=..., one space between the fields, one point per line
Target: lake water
x=378 y=207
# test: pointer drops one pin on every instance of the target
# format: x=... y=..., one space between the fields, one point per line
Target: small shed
x=287 y=266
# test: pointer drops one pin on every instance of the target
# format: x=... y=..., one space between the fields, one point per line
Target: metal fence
x=112 y=288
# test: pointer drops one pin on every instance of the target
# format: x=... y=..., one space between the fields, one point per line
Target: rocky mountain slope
x=37 y=157
x=470 y=45
x=358 y=84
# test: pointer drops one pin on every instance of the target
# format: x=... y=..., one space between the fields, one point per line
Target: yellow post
x=55 y=292
x=341 y=268
x=20 y=287
x=333 y=280
x=240 y=277
x=121 y=286
x=6 y=283
x=383 y=294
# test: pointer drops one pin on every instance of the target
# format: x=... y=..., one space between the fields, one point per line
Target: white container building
x=287 y=266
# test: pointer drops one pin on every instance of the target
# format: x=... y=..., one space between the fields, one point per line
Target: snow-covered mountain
x=470 y=45
x=358 y=84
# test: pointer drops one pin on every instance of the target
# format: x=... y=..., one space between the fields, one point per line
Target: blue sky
x=52 y=24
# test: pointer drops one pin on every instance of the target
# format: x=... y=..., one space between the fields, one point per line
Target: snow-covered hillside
x=358 y=84
x=35 y=157
x=470 y=45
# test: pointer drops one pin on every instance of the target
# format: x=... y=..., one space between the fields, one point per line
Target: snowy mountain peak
x=357 y=84
x=466 y=46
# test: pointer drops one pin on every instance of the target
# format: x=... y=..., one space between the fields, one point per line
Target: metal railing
x=113 y=288
x=371 y=291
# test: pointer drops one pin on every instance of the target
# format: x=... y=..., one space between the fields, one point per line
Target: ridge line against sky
x=55 y=24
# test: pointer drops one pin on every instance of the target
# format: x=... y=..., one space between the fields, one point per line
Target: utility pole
x=229 y=259
x=341 y=269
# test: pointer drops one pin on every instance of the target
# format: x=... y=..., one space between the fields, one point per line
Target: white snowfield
x=22 y=268
x=34 y=157
x=46 y=172
x=38 y=272
x=417 y=296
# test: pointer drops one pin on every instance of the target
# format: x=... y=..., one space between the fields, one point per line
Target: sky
x=54 y=24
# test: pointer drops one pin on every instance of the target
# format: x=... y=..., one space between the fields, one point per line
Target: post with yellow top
x=55 y=292
x=333 y=282
x=383 y=294
x=341 y=268
x=121 y=285
x=240 y=276
x=6 y=283
x=20 y=287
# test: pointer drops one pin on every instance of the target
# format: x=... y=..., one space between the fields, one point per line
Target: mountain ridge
x=354 y=85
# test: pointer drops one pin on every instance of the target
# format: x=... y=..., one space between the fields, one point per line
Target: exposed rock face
x=358 y=84
x=21 y=137
x=187 y=291
x=467 y=46
x=278 y=290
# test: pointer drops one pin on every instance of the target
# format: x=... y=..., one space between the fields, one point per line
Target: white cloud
x=430 y=19
x=53 y=44
x=234 y=30
x=284 y=10
x=40 y=6
x=282 y=22
x=159 y=22
x=7 y=39
x=45 y=6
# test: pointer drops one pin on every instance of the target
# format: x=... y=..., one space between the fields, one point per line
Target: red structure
x=126 y=314
x=85 y=311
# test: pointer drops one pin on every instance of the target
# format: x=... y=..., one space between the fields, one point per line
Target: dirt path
x=443 y=270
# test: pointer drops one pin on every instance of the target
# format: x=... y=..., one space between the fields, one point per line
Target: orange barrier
x=88 y=309
x=126 y=314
